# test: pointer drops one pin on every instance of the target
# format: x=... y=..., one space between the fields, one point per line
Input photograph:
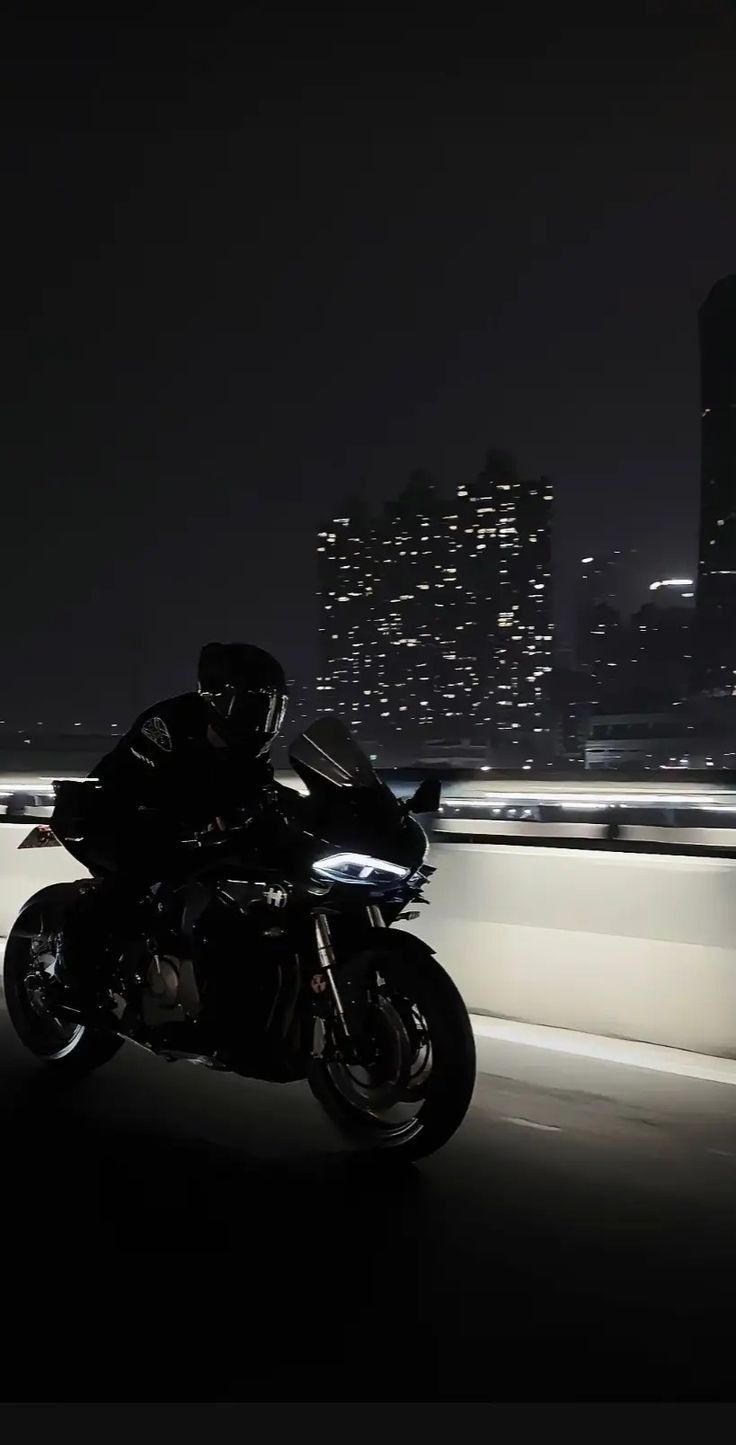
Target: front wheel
x=413 y=1090
x=72 y=1048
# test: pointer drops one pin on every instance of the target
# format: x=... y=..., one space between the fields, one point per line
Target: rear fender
x=42 y=836
x=352 y=976
x=46 y=908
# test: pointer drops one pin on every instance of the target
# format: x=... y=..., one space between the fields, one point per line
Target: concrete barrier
x=633 y=945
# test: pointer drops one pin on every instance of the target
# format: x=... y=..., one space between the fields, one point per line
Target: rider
x=185 y=764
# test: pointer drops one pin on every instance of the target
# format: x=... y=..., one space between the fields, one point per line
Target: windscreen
x=328 y=751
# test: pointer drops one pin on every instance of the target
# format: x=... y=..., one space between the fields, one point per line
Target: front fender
x=352 y=975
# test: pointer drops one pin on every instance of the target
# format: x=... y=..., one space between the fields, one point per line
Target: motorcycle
x=276 y=957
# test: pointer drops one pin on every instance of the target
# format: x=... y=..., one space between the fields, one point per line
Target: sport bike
x=276 y=955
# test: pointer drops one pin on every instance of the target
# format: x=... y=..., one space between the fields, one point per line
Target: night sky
x=250 y=268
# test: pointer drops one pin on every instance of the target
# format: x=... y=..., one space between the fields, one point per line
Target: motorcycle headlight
x=359 y=868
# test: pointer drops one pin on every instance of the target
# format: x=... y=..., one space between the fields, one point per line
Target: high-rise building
x=384 y=629
x=637 y=660
x=436 y=617
x=715 y=627
x=506 y=551
x=599 y=622
x=659 y=643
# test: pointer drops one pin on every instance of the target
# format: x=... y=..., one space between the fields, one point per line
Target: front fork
x=325 y=981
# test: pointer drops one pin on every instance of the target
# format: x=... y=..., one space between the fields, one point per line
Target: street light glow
x=672 y=582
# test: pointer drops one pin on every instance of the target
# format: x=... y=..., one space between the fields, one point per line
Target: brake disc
x=382 y=1080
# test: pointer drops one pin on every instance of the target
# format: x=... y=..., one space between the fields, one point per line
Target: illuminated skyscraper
x=436 y=618
x=386 y=595
x=715 y=619
x=506 y=527
x=599 y=623
x=660 y=642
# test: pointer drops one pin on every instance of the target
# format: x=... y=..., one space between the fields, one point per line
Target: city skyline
x=608 y=624
x=226 y=308
x=674 y=647
x=609 y=576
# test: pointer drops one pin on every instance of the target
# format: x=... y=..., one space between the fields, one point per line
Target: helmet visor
x=247 y=714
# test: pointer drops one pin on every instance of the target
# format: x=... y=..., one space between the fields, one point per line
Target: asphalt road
x=169 y=1234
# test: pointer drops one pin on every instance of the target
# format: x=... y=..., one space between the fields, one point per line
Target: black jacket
x=166 y=763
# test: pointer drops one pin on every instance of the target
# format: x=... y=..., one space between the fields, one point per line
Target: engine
x=170 y=992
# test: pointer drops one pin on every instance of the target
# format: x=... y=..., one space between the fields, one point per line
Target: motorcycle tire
x=449 y=1088
x=72 y=1050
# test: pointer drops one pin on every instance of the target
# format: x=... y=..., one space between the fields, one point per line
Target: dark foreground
x=172 y=1235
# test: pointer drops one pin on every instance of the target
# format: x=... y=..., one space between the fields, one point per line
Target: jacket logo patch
x=157 y=733
x=142 y=757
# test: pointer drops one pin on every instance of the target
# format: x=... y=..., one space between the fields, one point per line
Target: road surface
x=171 y=1234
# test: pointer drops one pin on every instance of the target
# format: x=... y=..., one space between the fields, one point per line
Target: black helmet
x=244 y=691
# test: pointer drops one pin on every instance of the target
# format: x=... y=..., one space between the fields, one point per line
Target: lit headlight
x=359 y=868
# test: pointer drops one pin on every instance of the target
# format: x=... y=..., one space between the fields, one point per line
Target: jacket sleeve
x=139 y=768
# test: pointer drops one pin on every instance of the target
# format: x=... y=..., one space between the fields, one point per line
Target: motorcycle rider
x=185 y=764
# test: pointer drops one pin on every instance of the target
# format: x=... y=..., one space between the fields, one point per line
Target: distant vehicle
x=276 y=959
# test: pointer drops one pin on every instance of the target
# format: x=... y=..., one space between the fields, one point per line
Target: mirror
x=427 y=797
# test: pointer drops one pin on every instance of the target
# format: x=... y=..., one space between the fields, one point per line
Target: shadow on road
x=172 y=1268
x=143 y=1261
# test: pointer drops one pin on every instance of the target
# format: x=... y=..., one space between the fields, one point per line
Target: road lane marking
x=531 y=1124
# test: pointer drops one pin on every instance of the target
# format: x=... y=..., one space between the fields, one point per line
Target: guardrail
x=690 y=817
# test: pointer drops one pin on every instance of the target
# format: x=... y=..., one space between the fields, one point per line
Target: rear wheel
x=415 y=1081
x=30 y=955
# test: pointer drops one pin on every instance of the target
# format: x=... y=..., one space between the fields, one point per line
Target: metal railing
x=697 y=816
x=656 y=816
